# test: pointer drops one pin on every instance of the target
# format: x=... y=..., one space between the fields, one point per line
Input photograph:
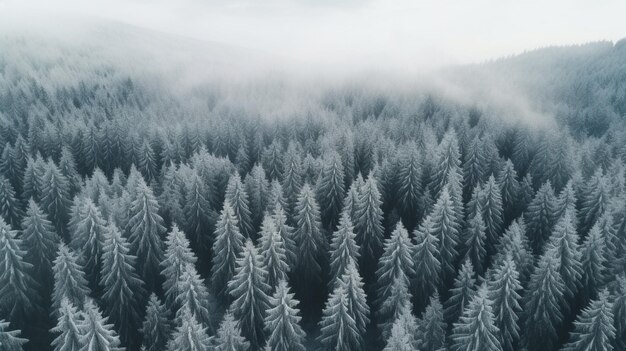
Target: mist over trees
x=141 y=213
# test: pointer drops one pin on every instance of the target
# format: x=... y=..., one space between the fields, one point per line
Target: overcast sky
x=406 y=34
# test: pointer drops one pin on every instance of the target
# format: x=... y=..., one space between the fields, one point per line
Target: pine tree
x=55 y=196
x=594 y=200
x=41 y=241
x=18 y=290
x=542 y=303
x=33 y=177
x=275 y=197
x=156 y=326
x=10 y=339
x=238 y=199
x=594 y=262
x=463 y=291
x=178 y=255
x=352 y=197
x=338 y=328
x=229 y=336
x=410 y=185
x=400 y=338
x=475 y=240
x=540 y=217
x=282 y=321
x=250 y=290
x=514 y=243
x=427 y=263
x=69 y=279
x=87 y=232
x=257 y=188
x=390 y=308
x=146 y=228
x=10 y=207
x=287 y=233
x=146 y=161
x=95 y=333
x=619 y=312
x=67 y=165
x=474 y=165
x=476 y=329
x=442 y=227
x=564 y=240
x=198 y=212
x=566 y=201
x=593 y=329
x=507 y=181
x=227 y=246
x=193 y=296
x=67 y=327
x=330 y=189
x=431 y=327
x=273 y=253
x=368 y=219
x=292 y=178
x=396 y=260
x=190 y=334
x=492 y=212
x=503 y=292
x=343 y=248
x=123 y=289
x=448 y=160
x=273 y=160
x=310 y=240
x=357 y=300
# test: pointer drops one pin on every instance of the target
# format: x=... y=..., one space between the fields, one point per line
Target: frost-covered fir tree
x=292 y=177
x=237 y=198
x=287 y=233
x=462 y=292
x=190 y=334
x=391 y=307
x=275 y=197
x=55 y=196
x=177 y=256
x=474 y=165
x=10 y=340
x=475 y=240
x=33 y=178
x=448 y=160
x=87 y=233
x=594 y=200
x=397 y=260
x=67 y=327
x=508 y=182
x=282 y=321
x=229 y=336
x=69 y=279
x=400 y=338
x=257 y=188
x=427 y=263
x=594 y=262
x=95 y=333
x=542 y=301
x=492 y=212
x=564 y=240
x=310 y=241
x=442 y=226
x=352 y=196
x=198 y=212
x=250 y=290
x=273 y=253
x=409 y=182
x=193 y=296
x=357 y=300
x=227 y=247
x=338 y=328
x=514 y=243
x=330 y=189
x=540 y=217
x=431 y=327
x=123 y=289
x=343 y=248
x=40 y=240
x=368 y=218
x=145 y=230
x=19 y=291
x=594 y=329
x=146 y=161
x=156 y=327
x=10 y=207
x=476 y=329
x=503 y=292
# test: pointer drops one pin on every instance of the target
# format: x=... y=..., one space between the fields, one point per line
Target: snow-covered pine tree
x=237 y=198
x=55 y=196
x=396 y=260
x=198 y=212
x=40 y=240
x=95 y=333
x=229 y=336
x=409 y=182
x=476 y=329
x=338 y=328
x=282 y=321
x=273 y=253
x=19 y=294
x=357 y=300
x=10 y=340
x=431 y=327
x=177 y=256
x=503 y=292
x=250 y=290
x=391 y=307
x=368 y=218
x=227 y=246
x=564 y=240
x=87 y=236
x=310 y=240
x=330 y=189
x=69 y=279
x=540 y=217
x=10 y=207
x=257 y=188
x=427 y=263
x=343 y=248
x=594 y=262
x=462 y=292
x=594 y=329
x=193 y=296
x=123 y=290
x=190 y=334
x=67 y=327
x=156 y=327
x=475 y=240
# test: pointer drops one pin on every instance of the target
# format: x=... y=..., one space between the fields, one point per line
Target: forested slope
x=174 y=207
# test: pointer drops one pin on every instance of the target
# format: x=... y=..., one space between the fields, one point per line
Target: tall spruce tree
x=95 y=333
x=368 y=219
x=540 y=217
x=463 y=291
x=273 y=253
x=397 y=260
x=330 y=189
x=343 y=248
x=431 y=327
x=310 y=241
x=237 y=198
x=338 y=327
x=594 y=329
x=282 y=321
x=503 y=292
x=177 y=256
x=55 y=196
x=476 y=329
x=41 y=241
x=156 y=326
x=69 y=279
x=87 y=233
x=190 y=334
x=427 y=263
x=229 y=336
x=227 y=246
x=67 y=327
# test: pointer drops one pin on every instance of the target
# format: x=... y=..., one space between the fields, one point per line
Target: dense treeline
x=135 y=219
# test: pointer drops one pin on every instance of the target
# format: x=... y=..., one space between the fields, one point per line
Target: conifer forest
x=156 y=203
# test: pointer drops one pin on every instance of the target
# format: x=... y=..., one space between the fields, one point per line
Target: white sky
x=402 y=34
